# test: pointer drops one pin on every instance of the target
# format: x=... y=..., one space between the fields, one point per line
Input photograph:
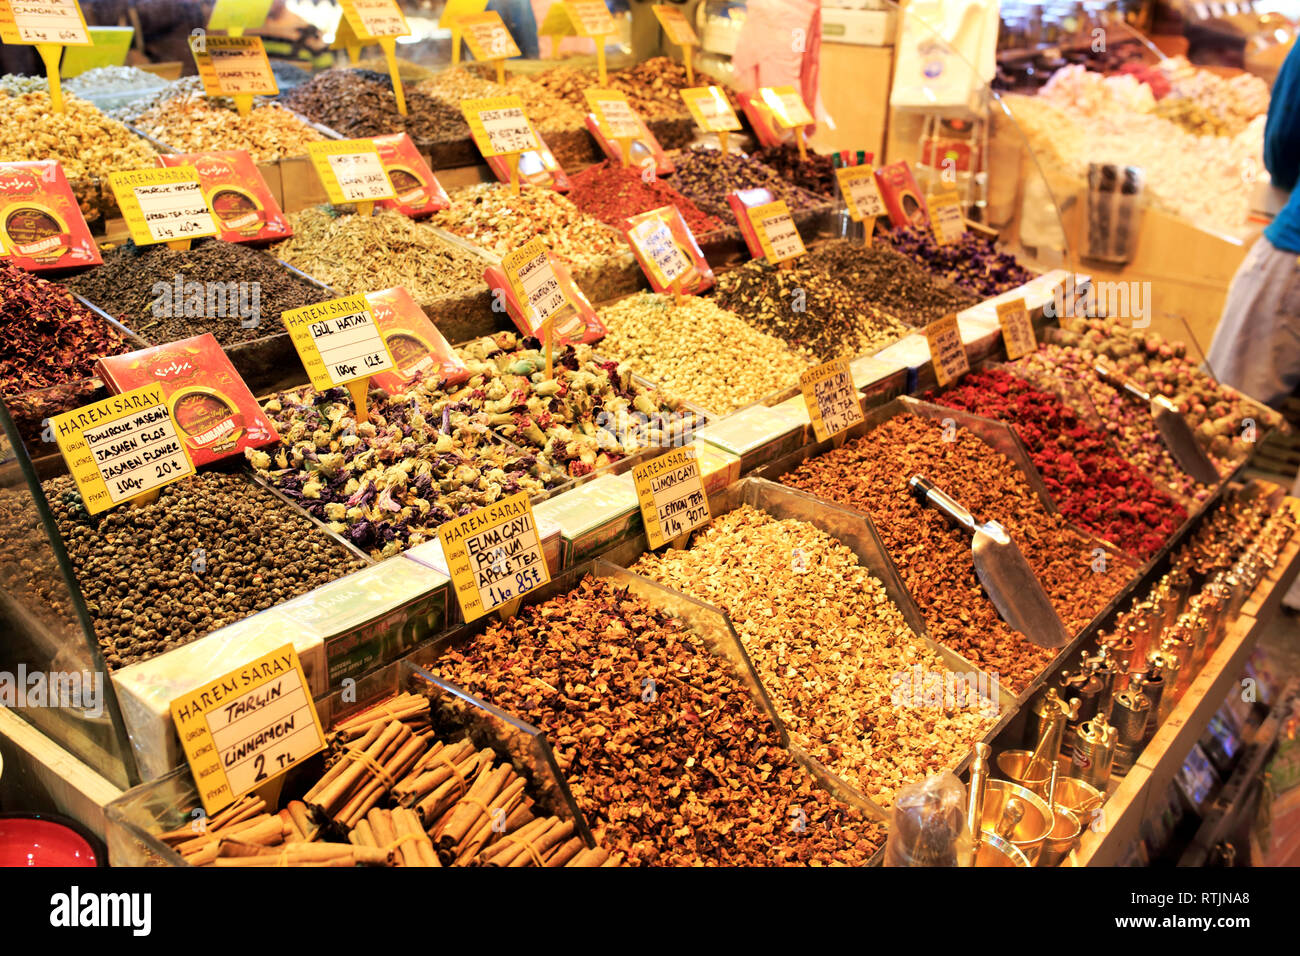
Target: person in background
x=288 y=36
x=518 y=17
x=780 y=45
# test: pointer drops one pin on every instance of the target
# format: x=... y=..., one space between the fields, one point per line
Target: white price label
x=663 y=250
x=174 y=211
x=618 y=116
x=783 y=236
x=351 y=346
x=48 y=21
x=137 y=453
x=361 y=176
x=508 y=130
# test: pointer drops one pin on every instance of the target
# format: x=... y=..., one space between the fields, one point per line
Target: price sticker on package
x=351 y=170
x=499 y=125
x=659 y=251
x=494 y=555
x=1017 y=328
x=531 y=275
x=487 y=37
x=614 y=114
x=947 y=220
x=711 y=109
x=591 y=18
x=832 y=401
x=247 y=727
x=787 y=106
x=947 y=353
x=777 y=234
x=163 y=205
x=122 y=447
x=233 y=66
x=28 y=22
x=338 y=341
x=375 y=18
x=675 y=25
x=671 y=494
x=861 y=193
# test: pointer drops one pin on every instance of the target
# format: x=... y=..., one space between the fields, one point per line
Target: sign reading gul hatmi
x=122 y=447
x=338 y=341
x=832 y=401
x=163 y=205
x=671 y=495
x=248 y=726
x=494 y=555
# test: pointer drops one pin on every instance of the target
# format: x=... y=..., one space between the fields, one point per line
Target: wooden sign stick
x=803 y=145
x=687 y=55
x=625 y=147
x=180 y=245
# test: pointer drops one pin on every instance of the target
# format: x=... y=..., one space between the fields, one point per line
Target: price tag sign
x=1017 y=328
x=457 y=10
x=861 y=193
x=614 y=114
x=660 y=251
x=499 y=125
x=233 y=66
x=671 y=494
x=28 y=22
x=946 y=217
x=487 y=37
x=122 y=447
x=675 y=25
x=111 y=45
x=946 y=351
x=247 y=726
x=591 y=18
x=777 y=233
x=338 y=341
x=163 y=205
x=375 y=18
x=787 y=106
x=351 y=170
x=711 y=110
x=832 y=401
x=239 y=14
x=494 y=555
x=531 y=275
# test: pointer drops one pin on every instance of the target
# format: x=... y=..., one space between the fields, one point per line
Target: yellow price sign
x=787 y=106
x=38 y=22
x=494 y=555
x=499 y=125
x=947 y=220
x=239 y=15
x=660 y=252
x=233 y=66
x=711 y=109
x=163 y=205
x=591 y=18
x=861 y=192
x=122 y=447
x=832 y=401
x=777 y=234
x=671 y=494
x=1017 y=328
x=614 y=114
x=947 y=353
x=351 y=170
x=247 y=727
x=675 y=25
x=531 y=275
x=371 y=19
x=487 y=37
x=339 y=341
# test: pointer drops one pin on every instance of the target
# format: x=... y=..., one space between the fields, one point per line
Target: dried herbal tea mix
x=890 y=281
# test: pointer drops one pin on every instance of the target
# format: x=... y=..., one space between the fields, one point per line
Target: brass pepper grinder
x=1094 y=752
x=1164 y=667
x=1132 y=709
x=1107 y=671
x=979 y=778
x=1051 y=715
x=1179 y=646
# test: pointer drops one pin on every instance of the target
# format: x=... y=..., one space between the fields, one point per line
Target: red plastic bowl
x=30 y=840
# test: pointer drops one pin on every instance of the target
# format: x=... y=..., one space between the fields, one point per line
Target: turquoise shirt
x=1282 y=151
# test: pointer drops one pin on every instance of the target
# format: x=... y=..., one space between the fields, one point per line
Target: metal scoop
x=1007 y=577
x=1177 y=434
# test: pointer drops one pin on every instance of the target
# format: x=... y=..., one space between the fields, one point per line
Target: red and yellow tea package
x=668 y=252
x=417 y=346
x=575 y=324
x=214 y=411
x=246 y=211
x=418 y=191
x=41 y=226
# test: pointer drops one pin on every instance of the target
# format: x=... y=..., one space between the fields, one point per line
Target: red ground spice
x=612 y=193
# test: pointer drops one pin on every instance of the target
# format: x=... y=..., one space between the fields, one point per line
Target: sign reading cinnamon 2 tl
x=122 y=447
x=494 y=555
x=247 y=726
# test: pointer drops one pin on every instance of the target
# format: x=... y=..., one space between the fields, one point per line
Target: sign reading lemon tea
x=1017 y=328
x=122 y=447
x=233 y=66
x=163 y=205
x=351 y=170
x=671 y=494
x=860 y=191
x=531 y=275
x=494 y=555
x=832 y=401
x=777 y=234
x=487 y=37
x=338 y=341
x=499 y=125
x=946 y=350
x=32 y=22
x=711 y=109
x=247 y=727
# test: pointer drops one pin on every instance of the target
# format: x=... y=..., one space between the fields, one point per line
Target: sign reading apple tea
x=671 y=494
x=247 y=726
x=338 y=341
x=832 y=401
x=494 y=555
x=122 y=447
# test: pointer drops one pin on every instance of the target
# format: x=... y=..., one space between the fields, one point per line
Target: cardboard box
x=859 y=27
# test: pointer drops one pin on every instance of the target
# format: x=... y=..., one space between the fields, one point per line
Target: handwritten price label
x=531 y=275
x=231 y=66
x=591 y=18
x=351 y=170
x=1017 y=328
x=28 y=22
x=499 y=125
x=487 y=37
x=660 y=250
x=248 y=726
x=946 y=351
x=675 y=25
x=711 y=110
x=787 y=106
x=163 y=205
x=614 y=114
x=338 y=341
x=947 y=220
x=494 y=555
x=832 y=401
x=375 y=18
x=671 y=495
x=860 y=191
x=777 y=234
x=122 y=447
